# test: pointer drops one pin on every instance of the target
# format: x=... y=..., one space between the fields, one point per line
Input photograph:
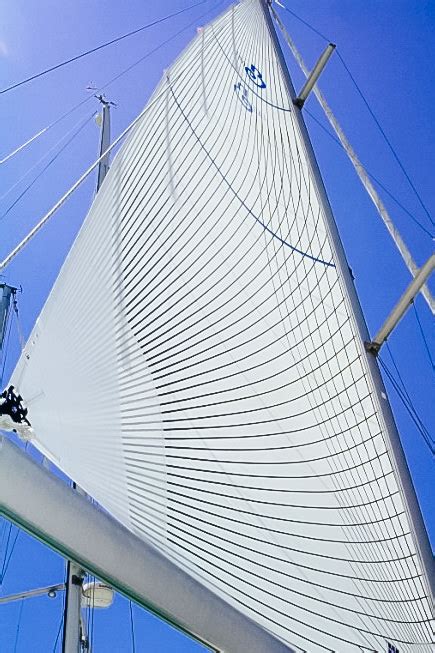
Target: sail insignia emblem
x=392 y=648
x=255 y=76
x=242 y=93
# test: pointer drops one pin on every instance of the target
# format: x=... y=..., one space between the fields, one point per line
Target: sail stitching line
x=243 y=203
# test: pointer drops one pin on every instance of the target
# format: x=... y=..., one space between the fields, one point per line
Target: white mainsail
x=198 y=369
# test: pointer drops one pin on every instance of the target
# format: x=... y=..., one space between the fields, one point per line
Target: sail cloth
x=198 y=371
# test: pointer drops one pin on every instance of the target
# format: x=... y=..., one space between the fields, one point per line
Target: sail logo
x=392 y=648
x=242 y=93
x=255 y=76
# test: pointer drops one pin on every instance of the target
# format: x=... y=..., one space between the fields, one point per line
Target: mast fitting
x=402 y=306
x=314 y=75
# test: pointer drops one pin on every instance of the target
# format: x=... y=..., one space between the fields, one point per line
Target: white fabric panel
x=197 y=369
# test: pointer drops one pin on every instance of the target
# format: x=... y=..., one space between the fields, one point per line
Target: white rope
x=359 y=168
x=43 y=157
x=23 y=145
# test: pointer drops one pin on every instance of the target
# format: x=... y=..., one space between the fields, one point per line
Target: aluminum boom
x=44 y=506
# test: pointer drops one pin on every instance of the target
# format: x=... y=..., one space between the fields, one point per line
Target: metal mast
x=392 y=436
x=6 y=294
x=103 y=167
x=359 y=168
x=44 y=506
x=71 y=625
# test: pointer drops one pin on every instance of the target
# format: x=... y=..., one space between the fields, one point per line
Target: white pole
x=359 y=168
x=46 y=507
x=402 y=305
x=314 y=75
x=50 y=590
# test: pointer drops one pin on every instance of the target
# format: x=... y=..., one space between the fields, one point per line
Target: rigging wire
x=133 y=641
x=41 y=132
x=409 y=407
x=398 y=372
x=425 y=342
x=387 y=140
x=406 y=393
x=8 y=537
x=23 y=145
x=301 y=20
x=3 y=532
x=59 y=630
x=105 y=85
x=50 y=162
x=17 y=633
x=62 y=616
x=99 y=47
x=8 y=557
x=88 y=617
x=66 y=196
x=40 y=160
x=372 y=176
x=367 y=104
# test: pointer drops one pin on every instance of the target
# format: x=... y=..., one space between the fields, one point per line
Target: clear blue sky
x=388 y=44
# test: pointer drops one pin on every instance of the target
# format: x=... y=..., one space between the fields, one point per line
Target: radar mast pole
x=74 y=637
x=103 y=166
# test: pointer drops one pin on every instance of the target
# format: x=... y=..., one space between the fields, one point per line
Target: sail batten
x=199 y=371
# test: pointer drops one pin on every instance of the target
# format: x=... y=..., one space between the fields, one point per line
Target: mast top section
x=101 y=97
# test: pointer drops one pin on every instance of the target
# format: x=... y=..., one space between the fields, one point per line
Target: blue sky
x=389 y=46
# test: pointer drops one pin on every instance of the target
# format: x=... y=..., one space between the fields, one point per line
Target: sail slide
x=198 y=368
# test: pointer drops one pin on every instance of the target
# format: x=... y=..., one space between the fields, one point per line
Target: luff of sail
x=197 y=368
